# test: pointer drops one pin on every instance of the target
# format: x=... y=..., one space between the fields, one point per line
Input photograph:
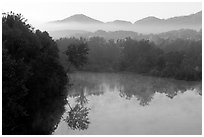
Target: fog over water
x=133 y=104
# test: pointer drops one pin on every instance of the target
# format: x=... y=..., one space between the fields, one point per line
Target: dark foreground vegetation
x=33 y=80
x=35 y=84
x=175 y=58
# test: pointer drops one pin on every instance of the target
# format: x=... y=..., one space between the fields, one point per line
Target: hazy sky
x=38 y=12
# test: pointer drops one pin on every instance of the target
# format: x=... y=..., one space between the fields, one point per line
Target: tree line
x=179 y=58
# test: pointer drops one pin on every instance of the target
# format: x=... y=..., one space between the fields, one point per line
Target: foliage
x=77 y=53
x=102 y=55
x=14 y=92
x=139 y=56
x=33 y=80
x=177 y=58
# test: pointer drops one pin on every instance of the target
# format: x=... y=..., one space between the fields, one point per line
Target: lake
x=128 y=103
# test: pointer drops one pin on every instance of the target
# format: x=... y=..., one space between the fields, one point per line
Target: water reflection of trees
x=82 y=87
x=130 y=86
x=140 y=87
x=77 y=116
x=144 y=88
x=81 y=99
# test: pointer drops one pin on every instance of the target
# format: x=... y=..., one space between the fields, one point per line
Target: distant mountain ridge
x=81 y=18
x=148 y=20
x=120 y=22
x=189 y=19
x=146 y=25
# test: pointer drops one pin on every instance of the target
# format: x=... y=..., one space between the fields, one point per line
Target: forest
x=175 y=58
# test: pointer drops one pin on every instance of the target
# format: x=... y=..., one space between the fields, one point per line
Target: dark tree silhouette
x=33 y=80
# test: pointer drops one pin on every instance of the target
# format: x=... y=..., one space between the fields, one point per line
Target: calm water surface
x=133 y=104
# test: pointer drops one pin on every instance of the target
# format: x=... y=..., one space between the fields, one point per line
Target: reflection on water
x=110 y=103
x=77 y=117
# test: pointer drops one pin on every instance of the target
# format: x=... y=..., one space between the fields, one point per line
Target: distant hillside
x=181 y=34
x=149 y=21
x=67 y=33
x=146 y=25
x=193 y=21
x=120 y=22
x=78 y=18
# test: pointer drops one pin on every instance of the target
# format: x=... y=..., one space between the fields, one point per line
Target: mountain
x=148 y=25
x=119 y=22
x=149 y=20
x=79 y=18
x=193 y=21
x=189 y=19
